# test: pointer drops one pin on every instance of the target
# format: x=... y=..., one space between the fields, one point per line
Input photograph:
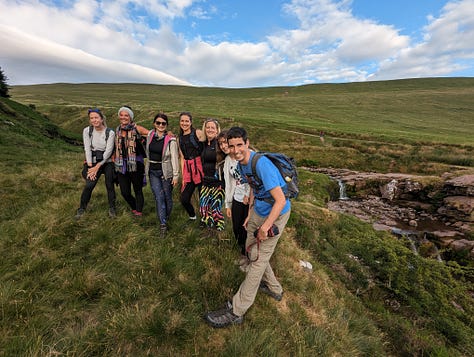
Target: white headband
x=128 y=110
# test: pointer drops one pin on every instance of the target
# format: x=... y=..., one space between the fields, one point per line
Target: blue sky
x=229 y=43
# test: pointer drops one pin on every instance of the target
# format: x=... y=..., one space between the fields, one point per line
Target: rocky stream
x=435 y=213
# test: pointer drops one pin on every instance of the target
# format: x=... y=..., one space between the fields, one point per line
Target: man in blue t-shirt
x=268 y=214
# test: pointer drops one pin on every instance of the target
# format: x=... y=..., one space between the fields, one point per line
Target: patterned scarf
x=126 y=149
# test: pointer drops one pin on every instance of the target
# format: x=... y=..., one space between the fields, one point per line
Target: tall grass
x=102 y=287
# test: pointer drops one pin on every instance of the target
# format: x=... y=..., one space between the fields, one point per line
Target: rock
x=461 y=208
x=445 y=234
x=389 y=191
x=413 y=223
x=381 y=227
x=461 y=244
x=460 y=186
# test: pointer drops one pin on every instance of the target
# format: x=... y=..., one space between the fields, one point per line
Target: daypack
x=194 y=142
x=107 y=132
x=287 y=167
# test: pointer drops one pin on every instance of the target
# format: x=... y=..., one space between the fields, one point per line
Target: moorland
x=102 y=287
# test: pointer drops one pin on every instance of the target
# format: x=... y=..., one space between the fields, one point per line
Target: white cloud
x=134 y=40
x=29 y=56
x=330 y=42
x=448 y=43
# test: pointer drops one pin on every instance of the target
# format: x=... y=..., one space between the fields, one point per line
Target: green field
x=102 y=287
x=417 y=126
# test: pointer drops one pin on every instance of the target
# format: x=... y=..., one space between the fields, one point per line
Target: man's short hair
x=237 y=132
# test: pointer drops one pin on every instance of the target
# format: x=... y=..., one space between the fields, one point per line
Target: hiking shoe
x=112 y=213
x=243 y=260
x=79 y=213
x=227 y=306
x=163 y=230
x=136 y=213
x=266 y=290
x=193 y=218
x=223 y=317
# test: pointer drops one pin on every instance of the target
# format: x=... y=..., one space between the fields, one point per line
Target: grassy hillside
x=417 y=126
x=101 y=287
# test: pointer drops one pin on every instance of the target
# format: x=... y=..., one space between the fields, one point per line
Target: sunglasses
x=211 y=120
x=163 y=123
x=93 y=110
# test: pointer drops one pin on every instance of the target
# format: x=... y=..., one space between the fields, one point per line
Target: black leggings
x=108 y=170
x=135 y=179
x=240 y=212
x=186 y=196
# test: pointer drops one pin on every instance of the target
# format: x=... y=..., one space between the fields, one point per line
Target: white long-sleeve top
x=97 y=142
x=234 y=187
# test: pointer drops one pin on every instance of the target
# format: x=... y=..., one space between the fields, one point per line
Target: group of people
x=215 y=163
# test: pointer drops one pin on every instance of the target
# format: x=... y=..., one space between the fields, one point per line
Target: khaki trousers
x=259 y=267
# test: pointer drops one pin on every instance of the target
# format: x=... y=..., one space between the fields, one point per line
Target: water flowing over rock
x=439 y=209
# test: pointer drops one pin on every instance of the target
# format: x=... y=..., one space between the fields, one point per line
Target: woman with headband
x=129 y=159
x=98 y=148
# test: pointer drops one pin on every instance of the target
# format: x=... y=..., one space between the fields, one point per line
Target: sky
x=234 y=43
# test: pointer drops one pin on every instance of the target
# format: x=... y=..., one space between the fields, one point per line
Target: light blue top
x=271 y=178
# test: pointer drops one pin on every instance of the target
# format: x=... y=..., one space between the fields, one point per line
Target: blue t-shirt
x=271 y=178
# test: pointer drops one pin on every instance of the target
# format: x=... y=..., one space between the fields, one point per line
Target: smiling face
x=210 y=129
x=239 y=149
x=185 y=123
x=160 y=125
x=224 y=146
x=124 y=118
x=96 y=120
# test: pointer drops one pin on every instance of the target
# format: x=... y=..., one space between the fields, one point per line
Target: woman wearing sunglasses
x=162 y=167
x=98 y=149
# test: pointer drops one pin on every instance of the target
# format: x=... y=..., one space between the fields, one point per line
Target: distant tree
x=3 y=85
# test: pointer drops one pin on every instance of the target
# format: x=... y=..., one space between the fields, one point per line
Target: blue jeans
x=162 y=190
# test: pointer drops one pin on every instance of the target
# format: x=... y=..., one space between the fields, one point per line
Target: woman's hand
x=92 y=172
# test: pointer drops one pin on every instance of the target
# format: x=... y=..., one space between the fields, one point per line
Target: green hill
x=412 y=126
x=102 y=287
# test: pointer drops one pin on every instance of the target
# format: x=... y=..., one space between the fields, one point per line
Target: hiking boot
x=193 y=218
x=223 y=317
x=79 y=213
x=112 y=213
x=266 y=290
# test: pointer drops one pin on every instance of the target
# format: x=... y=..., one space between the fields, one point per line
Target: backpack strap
x=194 y=139
x=253 y=165
x=167 y=139
x=107 y=132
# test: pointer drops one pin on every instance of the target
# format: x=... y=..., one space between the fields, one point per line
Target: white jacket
x=234 y=187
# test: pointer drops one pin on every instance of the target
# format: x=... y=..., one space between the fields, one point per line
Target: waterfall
x=412 y=242
x=342 y=190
